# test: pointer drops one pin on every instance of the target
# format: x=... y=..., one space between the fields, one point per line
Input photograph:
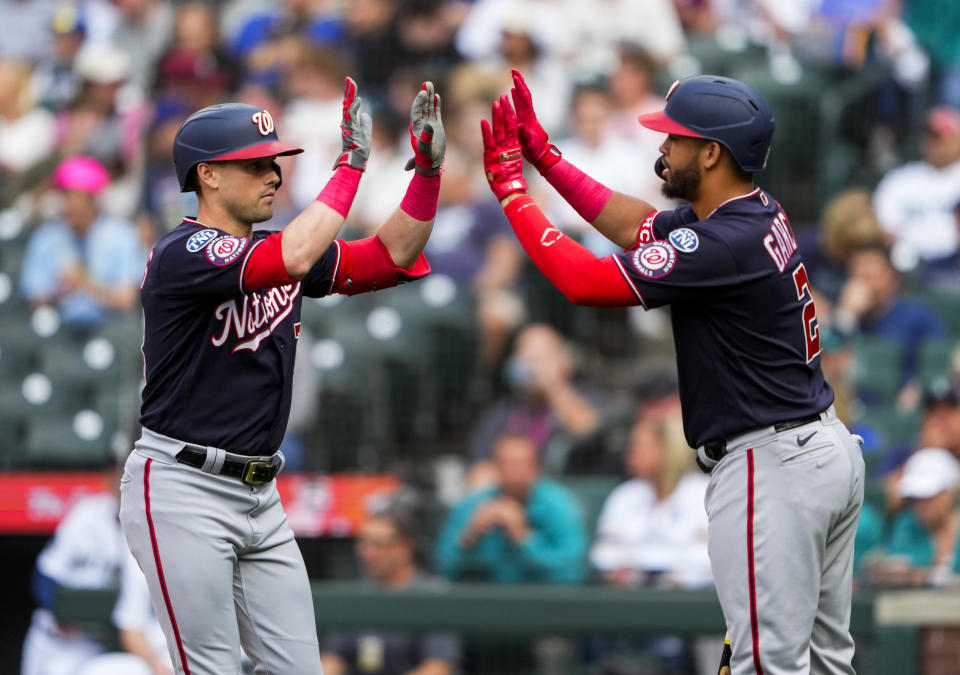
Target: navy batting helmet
x=719 y=109
x=223 y=132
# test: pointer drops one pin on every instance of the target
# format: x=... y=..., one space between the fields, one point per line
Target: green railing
x=887 y=623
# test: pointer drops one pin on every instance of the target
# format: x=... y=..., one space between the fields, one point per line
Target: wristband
x=420 y=200
x=340 y=190
x=583 y=193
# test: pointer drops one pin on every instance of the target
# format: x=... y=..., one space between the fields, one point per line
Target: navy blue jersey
x=218 y=361
x=744 y=323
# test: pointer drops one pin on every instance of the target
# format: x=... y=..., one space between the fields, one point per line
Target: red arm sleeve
x=366 y=265
x=582 y=277
x=264 y=267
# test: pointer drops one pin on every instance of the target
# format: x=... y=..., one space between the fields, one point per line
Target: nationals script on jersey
x=202 y=328
x=741 y=310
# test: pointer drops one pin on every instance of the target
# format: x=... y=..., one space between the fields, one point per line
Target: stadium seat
x=876 y=373
x=946 y=305
x=72 y=439
x=591 y=492
x=935 y=359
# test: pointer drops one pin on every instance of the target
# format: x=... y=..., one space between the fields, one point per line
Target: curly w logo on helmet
x=264 y=122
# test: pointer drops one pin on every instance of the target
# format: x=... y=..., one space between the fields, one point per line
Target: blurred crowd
x=510 y=436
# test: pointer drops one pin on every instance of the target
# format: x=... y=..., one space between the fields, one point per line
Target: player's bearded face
x=683 y=181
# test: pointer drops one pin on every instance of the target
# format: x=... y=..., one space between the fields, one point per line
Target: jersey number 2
x=811 y=329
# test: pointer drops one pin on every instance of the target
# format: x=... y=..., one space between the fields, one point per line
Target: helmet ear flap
x=276 y=167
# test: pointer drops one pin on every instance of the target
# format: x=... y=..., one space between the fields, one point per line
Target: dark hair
x=638 y=58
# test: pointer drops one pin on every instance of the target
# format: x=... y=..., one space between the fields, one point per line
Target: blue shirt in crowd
x=553 y=552
x=110 y=252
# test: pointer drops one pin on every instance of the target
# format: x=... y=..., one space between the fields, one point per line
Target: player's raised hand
x=534 y=141
x=426 y=132
x=356 y=129
x=502 y=159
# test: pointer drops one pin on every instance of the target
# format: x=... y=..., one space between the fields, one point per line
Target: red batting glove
x=536 y=145
x=502 y=160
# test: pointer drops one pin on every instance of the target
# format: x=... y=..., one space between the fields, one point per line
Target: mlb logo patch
x=684 y=240
x=198 y=240
x=655 y=260
x=224 y=250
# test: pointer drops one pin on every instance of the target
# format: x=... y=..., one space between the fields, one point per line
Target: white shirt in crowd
x=637 y=531
x=914 y=203
x=85 y=552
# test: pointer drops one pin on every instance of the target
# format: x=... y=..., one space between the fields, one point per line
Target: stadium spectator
x=914 y=203
x=870 y=304
x=26 y=29
x=846 y=224
x=26 y=131
x=923 y=545
x=936 y=25
x=86 y=551
x=54 y=81
x=140 y=633
x=161 y=202
x=527 y=528
x=106 y=118
x=942 y=275
x=545 y=400
x=194 y=69
x=141 y=29
x=86 y=263
x=372 y=46
x=386 y=548
x=596 y=149
x=939 y=428
x=653 y=529
x=519 y=40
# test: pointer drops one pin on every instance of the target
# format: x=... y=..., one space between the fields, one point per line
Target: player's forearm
x=616 y=216
x=582 y=277
x=307 y=237
x=406 y=231
x=312 y=232
x=621 y=218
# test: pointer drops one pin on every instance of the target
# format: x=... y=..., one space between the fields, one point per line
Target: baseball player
x=786 y=483
x=221 y=303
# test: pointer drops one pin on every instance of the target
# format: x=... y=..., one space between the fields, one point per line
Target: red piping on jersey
x=733 y=199
x=751 y=579
x=581 y=276
x=336 y=266
x=156 y=559
x=630 y=281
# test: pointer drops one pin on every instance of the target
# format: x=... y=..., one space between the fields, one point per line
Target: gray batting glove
x=426 y=132
x=356 y=129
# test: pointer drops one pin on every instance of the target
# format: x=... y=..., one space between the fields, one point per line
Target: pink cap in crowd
x=81 y=173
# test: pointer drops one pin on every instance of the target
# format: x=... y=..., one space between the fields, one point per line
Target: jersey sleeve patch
x=198 y=240
x=226 y=249
x=684 y=240
x=655 y=260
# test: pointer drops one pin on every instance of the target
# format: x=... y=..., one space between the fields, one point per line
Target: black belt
x=715 y=450
x=254 y=471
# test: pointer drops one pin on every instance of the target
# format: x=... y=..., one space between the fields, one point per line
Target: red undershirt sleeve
x=264 y=267
x=582 y=277
x=366 y=265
